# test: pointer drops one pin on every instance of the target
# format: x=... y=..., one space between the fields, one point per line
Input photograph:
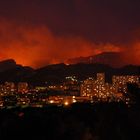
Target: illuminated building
x=125 y=79
x=40 y=89
x=71 y=86
x=86 y=88
x=101 y=78
x=56 y=87
x=71 y=79
x=98 y=88
x=104 y=91
x=91 y=87
x=23 y=87
x=120 y=82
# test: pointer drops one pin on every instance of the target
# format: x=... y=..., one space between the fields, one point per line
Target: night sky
x=41 y=32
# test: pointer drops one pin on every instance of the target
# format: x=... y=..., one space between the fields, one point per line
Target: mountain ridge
x=113 y=59
x=57 y=73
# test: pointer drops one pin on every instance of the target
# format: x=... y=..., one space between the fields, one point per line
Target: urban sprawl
x=71 y=91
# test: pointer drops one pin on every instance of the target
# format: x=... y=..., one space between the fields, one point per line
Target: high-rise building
x=100 y=78
x=87 y=86
x=120 y=82
x=97 y=88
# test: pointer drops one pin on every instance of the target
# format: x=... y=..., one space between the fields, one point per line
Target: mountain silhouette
x=113 y=59
x=55 y=74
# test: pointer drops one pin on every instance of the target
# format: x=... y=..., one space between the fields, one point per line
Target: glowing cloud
x=37 y=46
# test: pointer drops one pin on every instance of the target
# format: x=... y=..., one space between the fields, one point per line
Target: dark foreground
x=103 y=121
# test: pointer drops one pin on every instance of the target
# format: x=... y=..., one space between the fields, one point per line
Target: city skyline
x=37 y=33
x=71 y=91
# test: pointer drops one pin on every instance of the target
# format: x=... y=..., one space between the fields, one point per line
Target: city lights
x=70 y=91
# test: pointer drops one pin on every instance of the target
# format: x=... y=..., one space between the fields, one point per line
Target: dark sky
x=55 y=30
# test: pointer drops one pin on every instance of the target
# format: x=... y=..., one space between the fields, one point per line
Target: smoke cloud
x=36 y=46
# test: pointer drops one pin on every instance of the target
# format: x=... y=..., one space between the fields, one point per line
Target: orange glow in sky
x=37 y=46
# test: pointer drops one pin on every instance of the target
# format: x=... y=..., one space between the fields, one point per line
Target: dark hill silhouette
x=113 y=59
x=56 y=73
x=10 y=71
x=8 y=64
